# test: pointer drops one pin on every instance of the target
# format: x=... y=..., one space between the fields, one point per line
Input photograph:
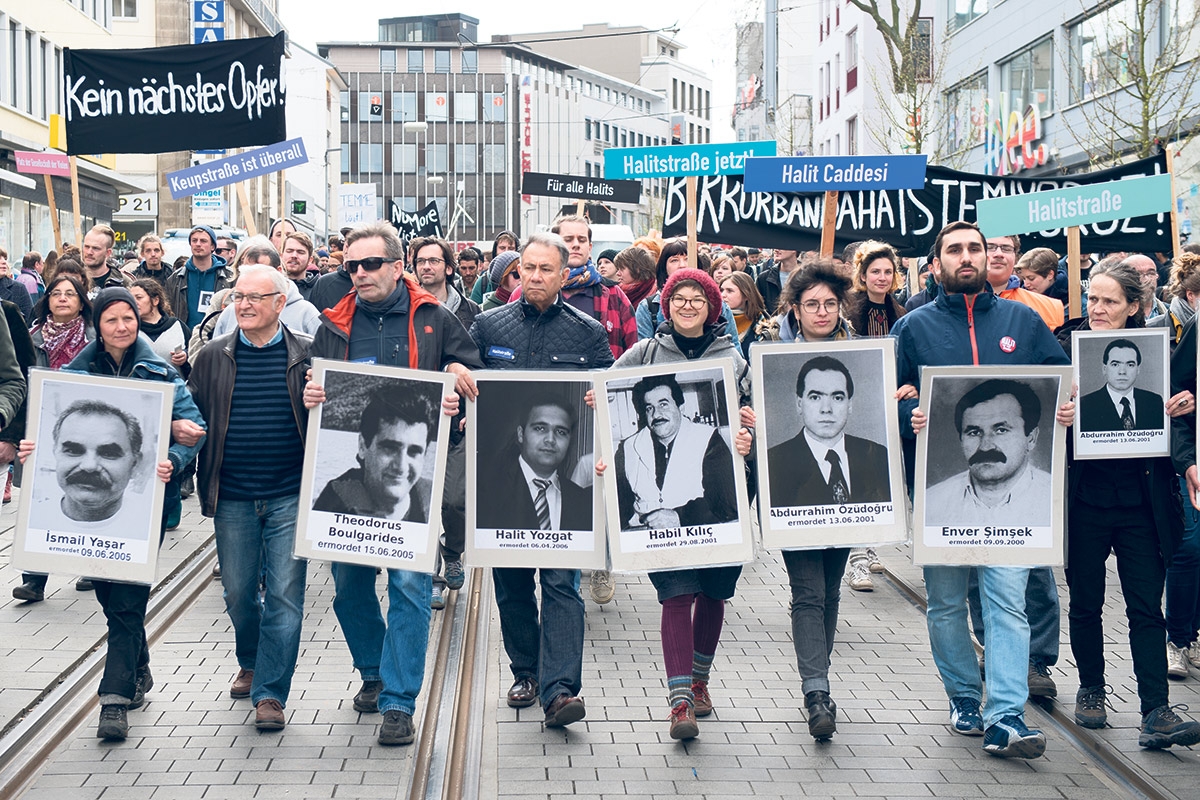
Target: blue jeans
x=393 y=652
x=1183 y=579
x=551 y=652
x=1042 y=609
x=1006 y=629
x=256 y=538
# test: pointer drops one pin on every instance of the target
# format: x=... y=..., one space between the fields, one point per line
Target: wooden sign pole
x=247 y=217
x=1176 y=246
x=829 y=224
x=691 y=221
x=75 y=202
x=579 y=207
x=53 y=213
x=1073 y=276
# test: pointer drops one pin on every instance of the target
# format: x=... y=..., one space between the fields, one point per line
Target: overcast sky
x=705 y=27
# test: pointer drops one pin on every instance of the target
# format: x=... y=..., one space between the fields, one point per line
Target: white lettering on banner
x=1062 y=208
x=195 y=95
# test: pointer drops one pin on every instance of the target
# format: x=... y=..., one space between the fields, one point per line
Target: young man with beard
x=297 y=256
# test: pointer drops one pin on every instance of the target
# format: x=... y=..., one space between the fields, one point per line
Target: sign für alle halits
x=576 y=188
x=1075 y=205
x=251 y=164
x=834 y=173
x=676 y=160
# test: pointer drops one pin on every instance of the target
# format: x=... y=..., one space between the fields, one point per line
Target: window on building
x=1027 y=77
x=437 y=159
x=923 y=50
x=624 y=139
x=345 y=159
x=466 y=159
x=964 y=11
x=1101 y=48
x=604 y=127
x=437 y=108
x=404 y=106
x=470 y=61
x=387 y=59
x=370 y=158
x=754 y=133
x=466 y=106
x=587 y=128
x=125 y=9
x=416 y=60
x=674 y=94
x=493 y=107
x=344 y=105
x=404 y=158
x=966 y=123
x=370 y=106
x=493 y=158
x=852 y=136
x=707 y=104
x=441 y=60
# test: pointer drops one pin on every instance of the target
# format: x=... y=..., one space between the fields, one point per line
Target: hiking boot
x=965 y=718
x=703 y=699
x=1040 y=682
x=683 y=721
x=114 y=727
x=1089 y=707
x=145 y=682
x=822 y=715
x=1162 y=727
x=1009 y=738
x=602 y=587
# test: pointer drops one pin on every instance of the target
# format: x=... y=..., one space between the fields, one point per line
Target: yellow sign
x=58 y=140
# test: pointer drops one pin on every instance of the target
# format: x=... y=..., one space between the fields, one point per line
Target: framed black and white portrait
x=675 y=488
x=532 y=491
x=374 y=466
x=1124 y=380
x=93 y=502
x=991 y=466
x=829 y=457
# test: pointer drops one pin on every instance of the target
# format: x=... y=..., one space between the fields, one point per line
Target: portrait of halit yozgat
x=992 y=439
x=534 y=467
x=389 y=425
x=96 y=474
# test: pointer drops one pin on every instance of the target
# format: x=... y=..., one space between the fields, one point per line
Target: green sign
x=1074 y=205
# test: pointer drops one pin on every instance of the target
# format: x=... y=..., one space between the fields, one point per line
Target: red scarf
x=62 y=342
x=636 y=292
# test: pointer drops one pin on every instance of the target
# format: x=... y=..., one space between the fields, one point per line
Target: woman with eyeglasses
x=693 y=600
x=810 y=309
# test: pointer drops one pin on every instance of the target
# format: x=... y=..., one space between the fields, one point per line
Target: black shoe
x=1162 y=727
x=563 y=710
x=822 y=715
x=1089 y=707
x=84 y=585
x=29 y=592
x=145 y=682
x=367 y=699
x=113 y=724
x=523 y=694
x=397 y=728
x=187 y=487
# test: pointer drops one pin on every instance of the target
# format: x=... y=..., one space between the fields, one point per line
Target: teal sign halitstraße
x=1074 y=205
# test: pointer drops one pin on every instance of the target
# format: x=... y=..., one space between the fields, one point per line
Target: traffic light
x=299 y=207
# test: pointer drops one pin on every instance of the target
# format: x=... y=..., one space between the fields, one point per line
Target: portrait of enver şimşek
x=829 y=459
x=676 y=490
x=987 y=465
x=94 y=504
x=1123 y=379
x=532 y=490
x=374 y=467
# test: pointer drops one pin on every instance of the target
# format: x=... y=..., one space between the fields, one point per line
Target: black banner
x=188 y=97
x=426 y=222
x=908 y=220
x=576 y=188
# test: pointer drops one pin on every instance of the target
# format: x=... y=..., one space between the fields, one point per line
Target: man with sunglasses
x=227 y=249
x=388 y=319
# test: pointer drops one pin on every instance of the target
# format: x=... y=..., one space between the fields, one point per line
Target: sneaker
x=965 y=717
x=367 y=699
x=268 y=715
x=602 y=586
x=114 y=727
x=1177 y=659
x=29 y=592
x=822 y=715
x=454 y=574
x=145 y=682
x=703 y=700
x=436 y=601
x=1162 y=727
x=873 y=562
x=1193 y=653
x=397 y=728
x=859 y=577
x=1040 y=682
x=683 y=721
x=1009 y=738
x=1089 y=707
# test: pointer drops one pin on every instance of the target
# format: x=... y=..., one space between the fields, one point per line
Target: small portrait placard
x=374 y=466
x=92 y=503
x=991 y=466
x=1124 y=380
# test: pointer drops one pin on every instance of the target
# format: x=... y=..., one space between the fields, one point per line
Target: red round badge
x=1008 y=344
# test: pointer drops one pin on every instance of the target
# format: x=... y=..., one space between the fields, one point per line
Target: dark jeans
x=552 y=651
x=816 y=580
x=1041 y=606
x=454 y=509
x=1129 y=533
x=1183 y=579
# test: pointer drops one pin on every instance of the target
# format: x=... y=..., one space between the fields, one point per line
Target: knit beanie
x=611 y=255
x=707 y=284
x=500 y=265
x=108 y=296
x=212 y=236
